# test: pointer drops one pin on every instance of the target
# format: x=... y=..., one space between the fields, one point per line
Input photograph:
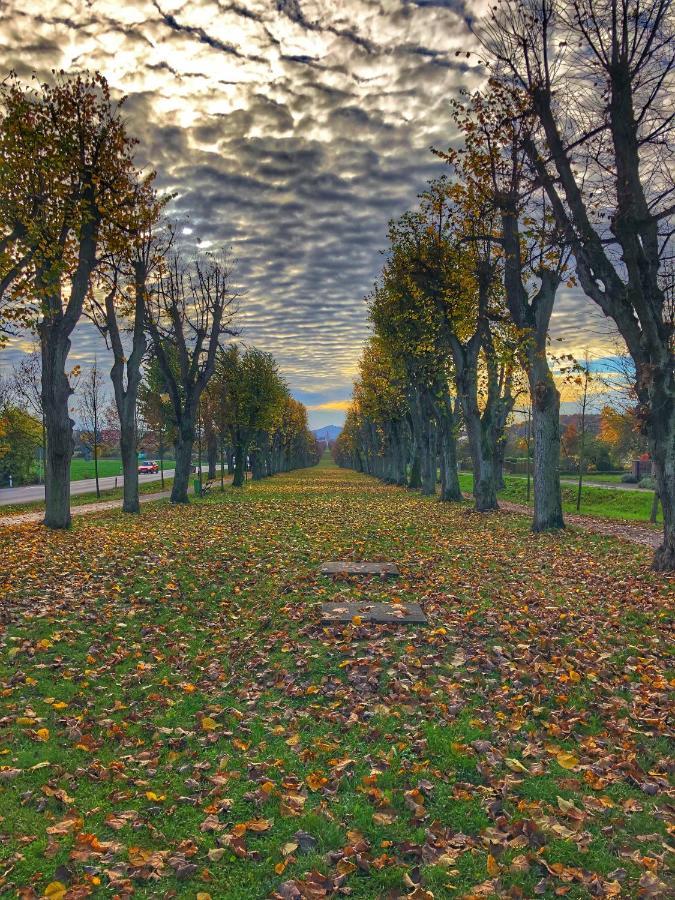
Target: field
x=177 y=722
x=595 y=501
x=84 y=468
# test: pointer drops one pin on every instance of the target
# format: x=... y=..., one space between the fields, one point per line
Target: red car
x=149 y=467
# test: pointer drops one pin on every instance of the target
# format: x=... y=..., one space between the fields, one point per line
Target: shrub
x=647 y=482
x=628 y=478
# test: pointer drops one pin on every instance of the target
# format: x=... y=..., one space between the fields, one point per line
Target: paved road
x=86 y=486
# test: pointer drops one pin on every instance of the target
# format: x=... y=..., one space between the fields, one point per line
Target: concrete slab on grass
x=349 y=567
x=379 y=613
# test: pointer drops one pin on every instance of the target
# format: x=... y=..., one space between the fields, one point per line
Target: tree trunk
x=546 y=431
x=662 y=441
x=429 y=468
x=56 y=393
x=450 y=489
x=482 y=458
x=257 y=465
x=239 y=465
x=184 y=443
x=98 y=487
x=130 y=503
x=211 y=453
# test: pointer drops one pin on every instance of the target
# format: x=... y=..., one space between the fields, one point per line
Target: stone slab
x=382 y=613
x=349 y=567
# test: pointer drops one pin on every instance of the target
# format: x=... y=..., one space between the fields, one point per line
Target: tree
x=496 y=126
x=20 y=437
x=252 y=390
x=67 y=188
x=155 y=409
x=469 y=301
x=598 y=78
x=188 y=311
x=27 y=388
x=91 y=407
x=122 y=313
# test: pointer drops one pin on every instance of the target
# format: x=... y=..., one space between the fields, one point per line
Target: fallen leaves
x=176 y=720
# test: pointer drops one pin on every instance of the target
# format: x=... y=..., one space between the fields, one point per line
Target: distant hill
x=327 y=433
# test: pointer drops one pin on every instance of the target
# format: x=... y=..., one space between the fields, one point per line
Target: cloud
x=330 y=405
x=291 y=131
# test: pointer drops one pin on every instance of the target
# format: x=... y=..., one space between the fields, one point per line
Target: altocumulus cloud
x=290 y=131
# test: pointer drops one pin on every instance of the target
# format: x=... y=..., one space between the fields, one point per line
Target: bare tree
x=91 y=406
x=121 y=318
x=598 y=75
x=27 y=388
x=189 y=309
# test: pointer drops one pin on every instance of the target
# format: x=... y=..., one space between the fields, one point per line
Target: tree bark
x=662 y=446
x=450 y=489
x=184 y=442
x=546 y=463
x=56 y=391
x=239 y=465
x=130 y=503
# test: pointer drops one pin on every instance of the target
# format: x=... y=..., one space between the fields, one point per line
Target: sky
x=291 y=132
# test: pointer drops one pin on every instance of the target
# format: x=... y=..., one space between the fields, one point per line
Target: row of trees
x=564 y=178
x=246 y=416
x=83 y=234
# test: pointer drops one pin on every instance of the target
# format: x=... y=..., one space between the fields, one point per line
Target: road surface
x=35 y=492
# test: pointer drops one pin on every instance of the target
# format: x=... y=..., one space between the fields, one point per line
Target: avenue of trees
x=564 y=179
x=83 y=234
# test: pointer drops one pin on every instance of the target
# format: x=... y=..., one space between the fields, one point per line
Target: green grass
x=168 y=693
x=595 y=501
x=81 y=469
x=146 y=487
x=597 y=476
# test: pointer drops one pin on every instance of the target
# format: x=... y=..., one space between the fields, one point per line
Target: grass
x=84 y=468
x=601 y=477
x=146 y=487
x=176 y=721
x=595 y=501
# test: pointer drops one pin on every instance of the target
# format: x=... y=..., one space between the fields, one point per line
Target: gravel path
x=38 y=515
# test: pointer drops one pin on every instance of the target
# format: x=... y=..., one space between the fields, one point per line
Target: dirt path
x=38 y=515
x=625 y=531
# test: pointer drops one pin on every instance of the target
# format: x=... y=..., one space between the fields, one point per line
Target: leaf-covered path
x=177 y=723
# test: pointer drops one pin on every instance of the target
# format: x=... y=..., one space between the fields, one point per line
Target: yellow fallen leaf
x=516 y=766
x=43 y=734
x=209 y=724
x=202 y=895
x=356 y=620
x=315 y=781
x=55 y=890
x=151 y=795
x=567 y=760
x=258 y=825
x=492 y=866
x=59 y=705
